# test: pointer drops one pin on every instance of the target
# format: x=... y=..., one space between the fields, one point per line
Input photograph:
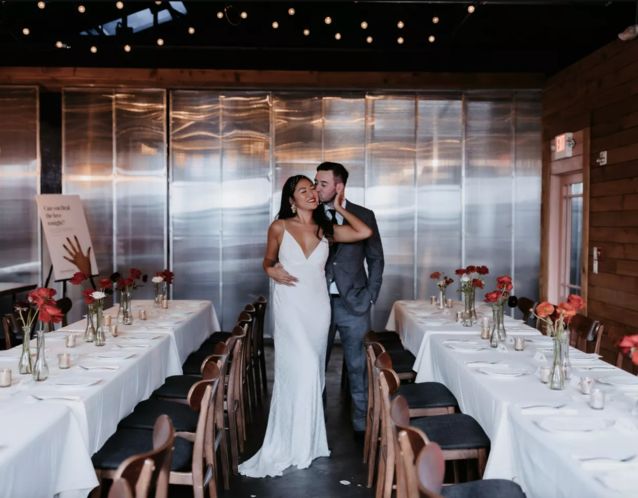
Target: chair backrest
x=387 y=447
x=151 y=470
x=247 y=318
x=623 y=361
x=235 y=376
x=370 y=337
x=424 y=483
x=121 y=489
x=583 y=330
x=526 y=306
x=219 y=358
x=260 y=317
x=430 y=470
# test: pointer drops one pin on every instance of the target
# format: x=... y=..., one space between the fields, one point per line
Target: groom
x=352 y=292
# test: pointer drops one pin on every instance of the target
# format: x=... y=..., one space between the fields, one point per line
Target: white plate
x=140 y=337
x=435 y=322
x=618 y=380
x=572 y=424
x=112 y=355
x=469 y=348
x=74 y=381
x=502 y=371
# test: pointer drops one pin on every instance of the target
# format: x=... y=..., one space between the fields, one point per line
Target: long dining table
x=549 y=441
x=88 y=400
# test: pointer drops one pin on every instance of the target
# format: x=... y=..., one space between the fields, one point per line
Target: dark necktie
x=333 y=216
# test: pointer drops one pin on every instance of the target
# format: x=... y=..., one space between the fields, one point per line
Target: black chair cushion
x=488 y=488
x=193 y=364
x=453 y=432
x=176 y=386
x=402 y=361
x=215 y=338
x=427 y=395
x=128 y=442
x=184 y=418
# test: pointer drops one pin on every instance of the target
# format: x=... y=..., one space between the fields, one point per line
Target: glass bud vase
x=441 y=303
x=89 y=333
x=26 y=364
x=502 y=333
x=157 y=302
x=41 y=369
x=127 y=317
x=100 y=339
x=120 y=315
x=165 y=290
x=467 y=314
x=473 y=305
x=557 y=380
x=565 y=362
x=495 y=336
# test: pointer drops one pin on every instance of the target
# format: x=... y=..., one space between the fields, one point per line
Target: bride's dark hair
x=285 y=210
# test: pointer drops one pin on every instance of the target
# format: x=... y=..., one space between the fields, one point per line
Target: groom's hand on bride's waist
x=281 y=276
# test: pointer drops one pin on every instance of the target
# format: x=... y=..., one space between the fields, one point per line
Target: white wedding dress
x=296 y=432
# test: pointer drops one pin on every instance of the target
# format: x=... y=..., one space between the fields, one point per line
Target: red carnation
x=492 y=297
x=504 y=282
x=128 y=282
x=482 y=270
x=78 y=278
x=105 y=283
x=135 y=273
x=448 y=281
x=460 y=271
x=88 y=296
x=42 y=296
x=436 y=274
x=50 y=314
x=470 y=269
x=168 y=276
x=477 y=283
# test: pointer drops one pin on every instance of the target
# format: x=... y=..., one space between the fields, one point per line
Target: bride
x=296 y=254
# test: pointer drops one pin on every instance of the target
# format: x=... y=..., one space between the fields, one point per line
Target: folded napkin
x=459 y=341
x=99 y=367
x=607 y=464
x=484 y=364
x=131 y=346
x=548 y=410
x=622 y=480
x=44 y=397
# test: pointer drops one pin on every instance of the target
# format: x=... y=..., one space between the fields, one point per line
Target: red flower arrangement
x=443 y=281
x=558 y=317
x=39 y=302
x=168 y=275
x=500 y=295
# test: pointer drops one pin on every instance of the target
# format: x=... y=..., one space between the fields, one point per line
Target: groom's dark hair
x=340 y=173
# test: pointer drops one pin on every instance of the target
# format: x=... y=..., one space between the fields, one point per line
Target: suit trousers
x=351 y=329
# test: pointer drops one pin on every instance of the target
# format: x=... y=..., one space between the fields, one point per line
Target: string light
x=158 y=3
x=306 y=32
x=369 y=39
x=160 y=42
x=243 y=15
x=220 y=15
x=431 y=39
x=42 y=5
x=327 y=20
x=338 y=36
x=191 y=30
x=26 y=31
x=93 y=49
x=471 y=9
x=291 y=12
x=119 y=5
x=59 y=44
x=275 y=25
x=435 y=20
x=400 y=24
x=82 y=9
x=127 y=48
x=364 y=25
x=400 y=41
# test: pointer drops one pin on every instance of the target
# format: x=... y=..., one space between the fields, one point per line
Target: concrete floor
x=323 y=478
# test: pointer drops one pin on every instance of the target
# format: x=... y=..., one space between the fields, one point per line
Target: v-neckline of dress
x=301 y=248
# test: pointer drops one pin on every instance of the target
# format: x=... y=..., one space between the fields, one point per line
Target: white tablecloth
x=42 y=453
x=542 y=462
x=100 y=407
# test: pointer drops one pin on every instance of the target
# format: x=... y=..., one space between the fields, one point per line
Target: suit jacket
x=345 y=266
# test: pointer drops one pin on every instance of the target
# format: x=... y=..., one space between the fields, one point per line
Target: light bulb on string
x=327 y=20
x=119 y=5
x=191 y=30
x=431 y=39
x=160 y=42
x=220 y=15
x=471 y=9
x=338 y=36
x=291 y=11
x=93 y=49
x=364 y=25
x=369 y=39
x=81 y=9
x=42 y=5
x=244 y=15
x=275 y=25
x=59 y=44
x=400 y=41
x=400 y=25
x=127 y=48
x=306 y=32
x=26 y=31
x=435 y=20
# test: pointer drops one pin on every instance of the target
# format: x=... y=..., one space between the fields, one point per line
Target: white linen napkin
x=621 y=480
x=548 y=410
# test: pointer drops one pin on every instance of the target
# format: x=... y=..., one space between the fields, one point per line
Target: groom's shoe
x=359 y=436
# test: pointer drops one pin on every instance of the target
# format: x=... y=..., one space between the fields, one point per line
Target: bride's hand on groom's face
x=341 y=194
x=281 y=276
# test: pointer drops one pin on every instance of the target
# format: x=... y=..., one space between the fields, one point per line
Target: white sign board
x=65 y=228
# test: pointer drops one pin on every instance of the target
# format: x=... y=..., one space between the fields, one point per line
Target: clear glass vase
x=473 y=305
x=100 y=339
x=441 y=303
x=120 y=315
x=165 y=290
x=502 y=333
x=26 y=364
x=497 y=323
x=565 y=362
x=157 y=302
x=127 y=317
x=89 y=333
x=467 y=314
x=41 y=369
x=557 y=380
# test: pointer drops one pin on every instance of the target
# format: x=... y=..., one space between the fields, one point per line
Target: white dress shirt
x=339 y=217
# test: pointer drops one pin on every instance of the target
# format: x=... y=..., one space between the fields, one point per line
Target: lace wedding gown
x=296 y=433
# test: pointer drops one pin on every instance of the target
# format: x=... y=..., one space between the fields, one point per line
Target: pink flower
x=576 y=301
x=544 y=309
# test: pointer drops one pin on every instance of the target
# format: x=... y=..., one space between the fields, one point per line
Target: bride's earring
x=293 y=208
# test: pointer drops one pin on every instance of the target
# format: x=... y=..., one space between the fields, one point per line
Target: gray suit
x=351 y=309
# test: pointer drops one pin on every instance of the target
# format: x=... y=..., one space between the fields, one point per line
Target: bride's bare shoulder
x=276 y=227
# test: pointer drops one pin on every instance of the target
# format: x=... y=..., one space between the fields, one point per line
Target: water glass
x=106 y=320
x=585 y=385
x=165 y=304
x=597 y=399
x=449 y=303
x=71 y=340
x=519 y=343
x=64 y=360
x=142 y=314
x=5 y=377
x=459 y=316
x=432 y=299
x=114 y=330
x=546 y=373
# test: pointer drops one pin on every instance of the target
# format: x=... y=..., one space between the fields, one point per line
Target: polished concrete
x=323 y=479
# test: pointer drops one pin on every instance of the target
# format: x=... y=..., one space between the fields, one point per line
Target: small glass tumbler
x=597 y=399
x=546 y=373
x=71 y=340
x=519 y=343
x=165 y=304
x=64 y=360
x=5 y=377
x=114 y=330
x=449 y=303
x=106 y=320
x=459 y=316
x=432 y=299
x=585 y=385
x=142 y=314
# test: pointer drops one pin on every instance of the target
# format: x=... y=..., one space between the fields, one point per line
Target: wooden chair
x=194 y=461
x=234 y=403
x=252 y=392
x=584 y=330
x=526 y=306
x=403 y=361
x=121 y=489
x=13 y=330
x=623 y=361
x=64 y=304
x=258 y=342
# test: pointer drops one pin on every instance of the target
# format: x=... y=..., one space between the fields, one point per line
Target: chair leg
x=482 y=462
x=380 y=476
x=243 y=401
x=366 y=439
x=388 y=479
x=262 y=363
x=374 y=446
x=97 y=492
x=257 y=371
x=224 y=447
x=251 y=390
x=232 y=429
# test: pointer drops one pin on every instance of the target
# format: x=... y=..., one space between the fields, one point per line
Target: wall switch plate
x=602 y=158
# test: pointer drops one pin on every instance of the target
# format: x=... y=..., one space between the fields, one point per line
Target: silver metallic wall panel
x=196 y=195
x=488 y=183
x=390 y=193
x=19 y=184
x=439 y=169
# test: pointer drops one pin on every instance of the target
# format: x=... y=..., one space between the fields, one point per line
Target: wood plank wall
x=601 y=92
